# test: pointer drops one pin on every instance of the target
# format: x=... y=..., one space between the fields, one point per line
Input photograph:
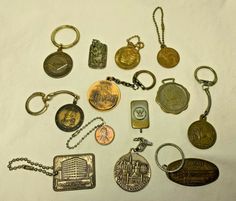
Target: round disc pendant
x=132 y=172
x=103 y=95
x=69 y=117
x=58 y=64
x=127 y=57
x=104 y=135
x=202 y=134
x=168 y=57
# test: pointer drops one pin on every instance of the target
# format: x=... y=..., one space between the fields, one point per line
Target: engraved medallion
x=58 y=64
x=104 y=95
x=172 y=97
x=132 y=172
x=195 y=172
x=75 y=172
x=202 y=134
x=69 y=117
x=168 y=57
x=104 y=135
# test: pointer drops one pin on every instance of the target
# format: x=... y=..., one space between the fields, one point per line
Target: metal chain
x=134 y=86
x=139 y=45
x=42 y=168
x=161 y=38
x=86 y=135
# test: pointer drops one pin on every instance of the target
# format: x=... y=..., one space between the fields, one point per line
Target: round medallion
x=132 y=172
x=104 y=135
x=104 y=95
x=140 y=113
x=127 y=57
x=58 y=64
x=69 y=117
x=168 y=57
x=172 y=98
x=202 y=134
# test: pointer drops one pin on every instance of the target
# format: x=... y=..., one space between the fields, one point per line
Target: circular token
x=69 y=117
x=58 y=64
x=132 y=172
x=104 y=135
x=202 y=134
x=127 y=57
x=103 y=95
x=168 y=57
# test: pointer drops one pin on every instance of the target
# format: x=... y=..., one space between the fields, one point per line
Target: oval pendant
x=168 y=57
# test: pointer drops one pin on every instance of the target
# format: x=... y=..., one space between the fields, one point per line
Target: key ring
x=59 y=45
x=164 y=167
x=206 y=82
x=137 y=81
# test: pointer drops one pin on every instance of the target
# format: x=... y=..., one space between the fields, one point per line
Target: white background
x=203 y=32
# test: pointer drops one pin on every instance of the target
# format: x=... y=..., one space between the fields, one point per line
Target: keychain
x=201 y=133
x=59 y=64
x=68 y=118
x=132 y=171
x=166 y=57
x=128 y=57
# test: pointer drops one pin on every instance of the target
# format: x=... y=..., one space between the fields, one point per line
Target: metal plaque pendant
x=97 y=55
x=75 y=172
x=168 y=57
x=195 y=172
x=172 y=97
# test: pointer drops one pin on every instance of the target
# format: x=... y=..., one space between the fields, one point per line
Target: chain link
x=139 y=45
x=134 y=86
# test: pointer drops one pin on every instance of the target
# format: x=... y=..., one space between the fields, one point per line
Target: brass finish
x=104 y=135
x=168 y=57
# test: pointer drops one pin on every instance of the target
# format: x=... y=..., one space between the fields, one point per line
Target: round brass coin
x=168 y=57
x=127 y=57
x=202 y=134
x=69 y=117
x=103 y=95
x=104 y=135
x=58 y=64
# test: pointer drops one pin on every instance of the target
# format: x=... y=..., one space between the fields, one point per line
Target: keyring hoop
x=45 y=107
x=164 y=167
x=206 y=82
x=136 y=80
x=59 y=45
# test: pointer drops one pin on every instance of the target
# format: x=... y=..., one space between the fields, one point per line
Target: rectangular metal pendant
x=75 y=172
x=97 y=55
x=139 y=114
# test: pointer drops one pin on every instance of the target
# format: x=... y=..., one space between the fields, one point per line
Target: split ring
x=137 y=81
x=206 y=82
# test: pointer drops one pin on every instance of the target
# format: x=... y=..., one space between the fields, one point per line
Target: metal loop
x=61 y=46
x=207 y=83
x=136 y=81
x=164 y=167
x=143 y=143
x=168 y=79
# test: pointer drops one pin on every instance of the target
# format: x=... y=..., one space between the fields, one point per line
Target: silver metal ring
x=206 y=82
x=164 y=167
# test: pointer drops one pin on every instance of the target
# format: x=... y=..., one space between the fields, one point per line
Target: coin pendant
x=58 y=64
x=103 y=95
x=127 y=57
x=202 y=134
x=69 y=117
x=104 y=135
x=132 y=172
x=168 y=57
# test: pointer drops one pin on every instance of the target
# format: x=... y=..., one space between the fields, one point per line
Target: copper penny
x=104 y=135
x=168 y=57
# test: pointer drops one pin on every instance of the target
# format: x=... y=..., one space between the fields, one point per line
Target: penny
x=132 y=172
x=168 y=57
x=127 y=57
x=69 y=117
x=103 y=95
x=58 y=64
x=104 y=135
x=202 y=134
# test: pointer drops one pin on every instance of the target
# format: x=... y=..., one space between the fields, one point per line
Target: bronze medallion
x=127 y=57
x=58 y=64
x=168 y=57
x=69 y=117
x=104 y=135
x=104 y=95
x=202 y=134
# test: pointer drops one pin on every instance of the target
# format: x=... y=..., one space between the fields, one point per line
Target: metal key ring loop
x=164 y=167
x=206 y=82
x=137 y=81
x=45 y=107
x=59 y=45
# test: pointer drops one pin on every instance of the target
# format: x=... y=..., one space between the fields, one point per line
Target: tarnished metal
x=104 y=135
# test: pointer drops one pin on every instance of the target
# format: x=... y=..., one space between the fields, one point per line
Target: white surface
x=202 y=31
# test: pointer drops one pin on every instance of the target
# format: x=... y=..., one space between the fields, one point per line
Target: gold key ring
x=59 y=45
x=205 y=82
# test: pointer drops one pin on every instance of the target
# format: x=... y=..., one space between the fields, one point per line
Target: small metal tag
x=75 y=172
